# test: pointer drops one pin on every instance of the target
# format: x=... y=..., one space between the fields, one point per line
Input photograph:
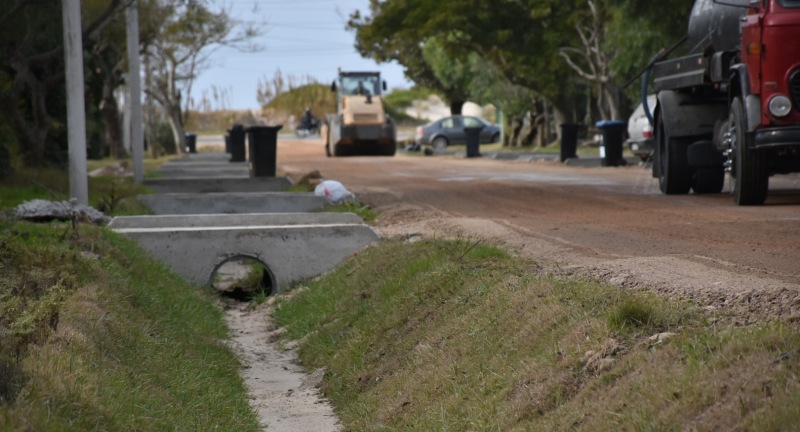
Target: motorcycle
x=308 y=128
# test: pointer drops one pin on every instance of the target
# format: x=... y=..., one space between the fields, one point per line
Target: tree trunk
x=111 y=118
x=178 y=133
x=456 y=107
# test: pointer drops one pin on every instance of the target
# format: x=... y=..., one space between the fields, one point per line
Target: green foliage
x=318 y=97
x=94 y=335
x=404 y=98
x=365 y=212
x=114 y=196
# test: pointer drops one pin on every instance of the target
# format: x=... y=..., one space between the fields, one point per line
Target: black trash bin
x=191 y=142
x=236 y=134
x=569 y=141
x=613 y=132
x=472 y=135
x=263 y=144
x=227 y=143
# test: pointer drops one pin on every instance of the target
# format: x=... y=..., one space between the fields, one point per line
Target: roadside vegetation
x=456 y=335
x=95 y=335
x=111 y=195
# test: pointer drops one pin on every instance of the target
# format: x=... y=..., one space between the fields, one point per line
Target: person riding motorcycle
x=308 y=121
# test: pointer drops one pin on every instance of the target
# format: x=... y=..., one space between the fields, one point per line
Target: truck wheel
x=339 y=151
x=749 y=178
x=389 y=149
x=674 y=175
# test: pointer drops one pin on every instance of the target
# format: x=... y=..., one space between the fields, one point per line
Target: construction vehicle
x=360 y=125
x=732 y=104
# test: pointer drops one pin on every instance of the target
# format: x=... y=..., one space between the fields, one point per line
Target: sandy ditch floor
x=284 y=396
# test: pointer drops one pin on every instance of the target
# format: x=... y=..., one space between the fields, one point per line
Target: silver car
x=450 y=131
x=640 y=132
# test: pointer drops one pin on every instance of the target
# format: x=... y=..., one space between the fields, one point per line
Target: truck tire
x=750 y=178
x=389 y=150
x=339 y=151
x=674 y=174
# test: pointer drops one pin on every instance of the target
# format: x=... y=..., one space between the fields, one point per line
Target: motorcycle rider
x=308 y=120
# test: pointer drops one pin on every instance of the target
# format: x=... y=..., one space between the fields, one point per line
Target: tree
x=182 y=44
x=593 y=58
x=32 y=73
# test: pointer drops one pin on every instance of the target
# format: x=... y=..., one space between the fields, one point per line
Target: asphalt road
x=596 y=221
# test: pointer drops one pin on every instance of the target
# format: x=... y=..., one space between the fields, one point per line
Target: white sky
x=301 y=37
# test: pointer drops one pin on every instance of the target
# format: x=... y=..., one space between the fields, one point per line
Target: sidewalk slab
x=218 y=184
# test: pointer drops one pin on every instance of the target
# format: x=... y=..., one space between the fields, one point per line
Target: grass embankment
x=454 y=336
x=95 y=335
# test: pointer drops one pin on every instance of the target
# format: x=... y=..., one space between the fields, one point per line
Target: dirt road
x=609 y=223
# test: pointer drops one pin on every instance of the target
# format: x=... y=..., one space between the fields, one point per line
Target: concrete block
x=222 y=184
x=231 y=203
x=290 y=253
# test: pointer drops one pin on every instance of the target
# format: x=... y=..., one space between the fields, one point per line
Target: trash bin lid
x=606 y=123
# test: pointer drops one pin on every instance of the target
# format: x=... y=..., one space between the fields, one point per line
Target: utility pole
x=135 y=89
x=76 y=108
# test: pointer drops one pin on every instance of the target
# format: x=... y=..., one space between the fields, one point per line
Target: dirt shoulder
x=610 y=224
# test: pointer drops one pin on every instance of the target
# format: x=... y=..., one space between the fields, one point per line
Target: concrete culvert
x=242 y=278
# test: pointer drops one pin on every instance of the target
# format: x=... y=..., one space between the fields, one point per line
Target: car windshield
x=790 y=3
x=361 y=84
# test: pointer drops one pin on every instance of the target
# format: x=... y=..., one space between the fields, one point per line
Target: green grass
x=113 y=195
x=461 y=336
x=95 y=335
x=365 y=212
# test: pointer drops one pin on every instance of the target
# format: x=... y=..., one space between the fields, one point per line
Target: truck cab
x=732 y=105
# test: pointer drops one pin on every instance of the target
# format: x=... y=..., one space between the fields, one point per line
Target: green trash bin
x=263 y=144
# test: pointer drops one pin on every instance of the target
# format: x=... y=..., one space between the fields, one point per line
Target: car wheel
x=495 y=138
x=439 y=144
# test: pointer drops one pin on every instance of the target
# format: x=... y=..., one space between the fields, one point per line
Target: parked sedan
x=450 y=131
x=640 y=132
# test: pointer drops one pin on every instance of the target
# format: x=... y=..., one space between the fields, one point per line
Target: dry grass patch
x=457 y=336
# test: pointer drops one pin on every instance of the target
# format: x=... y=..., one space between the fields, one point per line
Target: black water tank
x=715 y=26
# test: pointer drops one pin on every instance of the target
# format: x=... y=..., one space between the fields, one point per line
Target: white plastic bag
x=334 y=192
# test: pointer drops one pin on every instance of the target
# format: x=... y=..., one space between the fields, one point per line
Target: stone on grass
x=40 y=210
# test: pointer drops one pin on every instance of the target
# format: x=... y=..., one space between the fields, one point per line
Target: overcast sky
x=301 y=37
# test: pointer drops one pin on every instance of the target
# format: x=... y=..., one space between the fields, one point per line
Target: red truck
x=733 y=103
